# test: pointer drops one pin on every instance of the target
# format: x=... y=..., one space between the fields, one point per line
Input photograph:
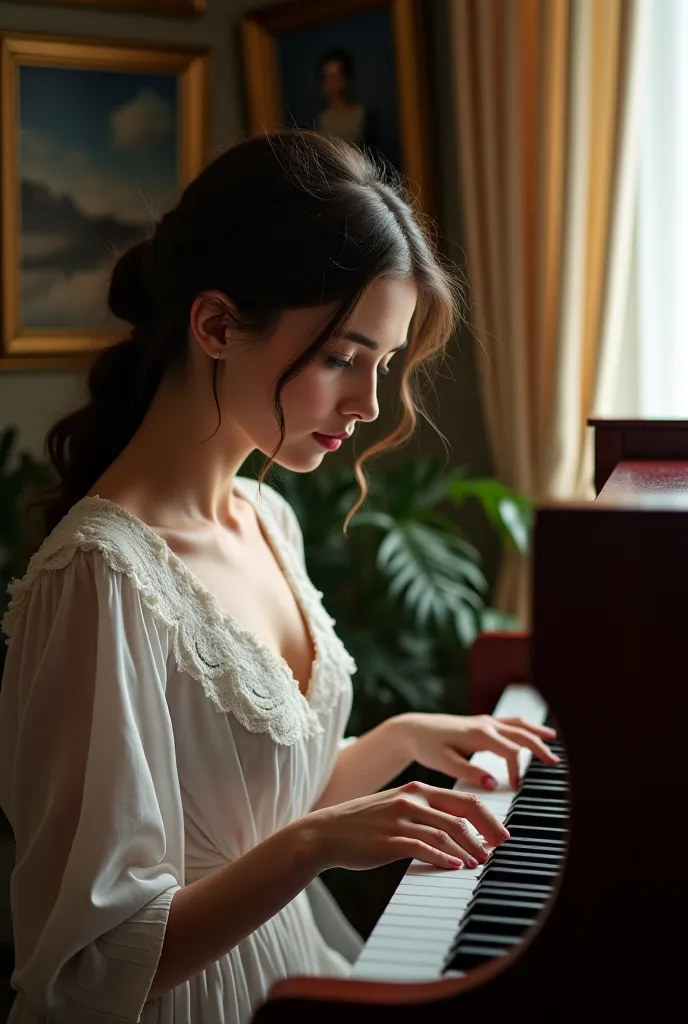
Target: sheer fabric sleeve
x=88 y=781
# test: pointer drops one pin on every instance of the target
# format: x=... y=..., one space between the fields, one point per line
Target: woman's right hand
x=413 y=821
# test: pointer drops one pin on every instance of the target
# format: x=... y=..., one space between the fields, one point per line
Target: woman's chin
x=300 y=459
x=301 y=464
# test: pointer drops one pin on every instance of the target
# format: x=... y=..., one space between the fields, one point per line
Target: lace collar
x=238 y=672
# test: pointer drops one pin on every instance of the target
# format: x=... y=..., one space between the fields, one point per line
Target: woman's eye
x=347 y=364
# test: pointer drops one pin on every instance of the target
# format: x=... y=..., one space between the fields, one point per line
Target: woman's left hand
x=440 y=742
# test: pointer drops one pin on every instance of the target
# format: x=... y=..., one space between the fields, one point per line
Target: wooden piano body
x=609 y=654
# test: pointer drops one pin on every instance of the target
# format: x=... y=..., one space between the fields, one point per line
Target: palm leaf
x=430 y=578
x=509 y=513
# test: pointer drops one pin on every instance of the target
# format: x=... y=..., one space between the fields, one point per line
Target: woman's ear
x=212 y=314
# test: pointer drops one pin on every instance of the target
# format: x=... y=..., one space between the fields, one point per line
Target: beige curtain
x=547 y=93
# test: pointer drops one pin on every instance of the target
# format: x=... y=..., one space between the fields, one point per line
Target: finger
x=499 y=744
x=506 y=748
x=459 y=768
x=415 y=849
x=540 y=730
x=466 y=805
x=464 y=848
x=449 y=826
x=525 y=739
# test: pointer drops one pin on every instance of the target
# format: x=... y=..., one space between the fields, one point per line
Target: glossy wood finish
x=632 y=440
x=609 y=653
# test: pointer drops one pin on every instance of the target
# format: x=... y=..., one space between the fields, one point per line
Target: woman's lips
x=331 y=443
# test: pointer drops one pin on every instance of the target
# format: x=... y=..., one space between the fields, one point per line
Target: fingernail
x=471 y=862
x=505 y=832
x=489 y=782
x=455 y=862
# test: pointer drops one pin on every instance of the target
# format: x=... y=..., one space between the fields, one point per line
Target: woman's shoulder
x=98 y=524
x=116 y=539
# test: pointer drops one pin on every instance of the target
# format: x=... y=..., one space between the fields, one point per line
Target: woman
x=175 y=696
x=341 y=117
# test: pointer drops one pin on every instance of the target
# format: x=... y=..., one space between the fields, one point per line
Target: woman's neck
x=179 y=463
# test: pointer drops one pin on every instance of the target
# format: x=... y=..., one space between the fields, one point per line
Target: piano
x=583 y=911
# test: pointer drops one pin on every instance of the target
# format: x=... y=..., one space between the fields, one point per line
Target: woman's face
x=338 y=388
x=333 y=79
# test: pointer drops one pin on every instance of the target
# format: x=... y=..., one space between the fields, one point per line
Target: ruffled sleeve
x=88 y=781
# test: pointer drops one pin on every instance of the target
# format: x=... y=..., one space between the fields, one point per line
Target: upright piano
x=583 y=912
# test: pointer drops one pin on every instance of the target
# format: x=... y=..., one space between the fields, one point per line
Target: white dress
x=146 y=739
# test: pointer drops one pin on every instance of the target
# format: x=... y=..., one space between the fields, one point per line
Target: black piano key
x=546 y=841
x=502 y=922
x=473 y=938
x=519 y=889
x=537 y=876
x=528 y=859
x=473 y=956
x=556 y=822
x=537 y=794
x=501 y=902
x=543 y=832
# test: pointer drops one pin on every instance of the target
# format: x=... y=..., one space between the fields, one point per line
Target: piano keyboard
x=442 y=923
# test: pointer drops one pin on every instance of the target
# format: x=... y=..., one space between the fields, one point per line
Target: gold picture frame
x=266 y=31
x=181 y=7
x=27 y=341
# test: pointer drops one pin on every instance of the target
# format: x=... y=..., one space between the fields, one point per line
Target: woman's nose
x=363 y=405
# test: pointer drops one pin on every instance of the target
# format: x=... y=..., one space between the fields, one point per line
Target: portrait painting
x=351 y=68
x=340 y=77
x=97 y=143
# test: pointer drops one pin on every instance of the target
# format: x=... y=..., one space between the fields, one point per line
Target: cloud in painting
x=141 y=123
x=96 y=191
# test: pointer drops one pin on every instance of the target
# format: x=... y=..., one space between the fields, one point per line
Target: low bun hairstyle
x=285 y=220
x=129 y=295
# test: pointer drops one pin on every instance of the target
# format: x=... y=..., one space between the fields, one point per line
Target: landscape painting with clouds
x=98 y=162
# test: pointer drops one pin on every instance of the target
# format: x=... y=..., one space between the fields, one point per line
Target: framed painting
x=139 y=6
x=352 y=68
x=97 y=141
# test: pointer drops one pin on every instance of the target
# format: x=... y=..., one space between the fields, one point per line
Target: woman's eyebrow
x=363 y=339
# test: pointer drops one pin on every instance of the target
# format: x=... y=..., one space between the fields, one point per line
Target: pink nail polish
x=489 y=782
x=455 y=862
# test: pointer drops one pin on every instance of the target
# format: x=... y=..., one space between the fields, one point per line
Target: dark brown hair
x=286 y=220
